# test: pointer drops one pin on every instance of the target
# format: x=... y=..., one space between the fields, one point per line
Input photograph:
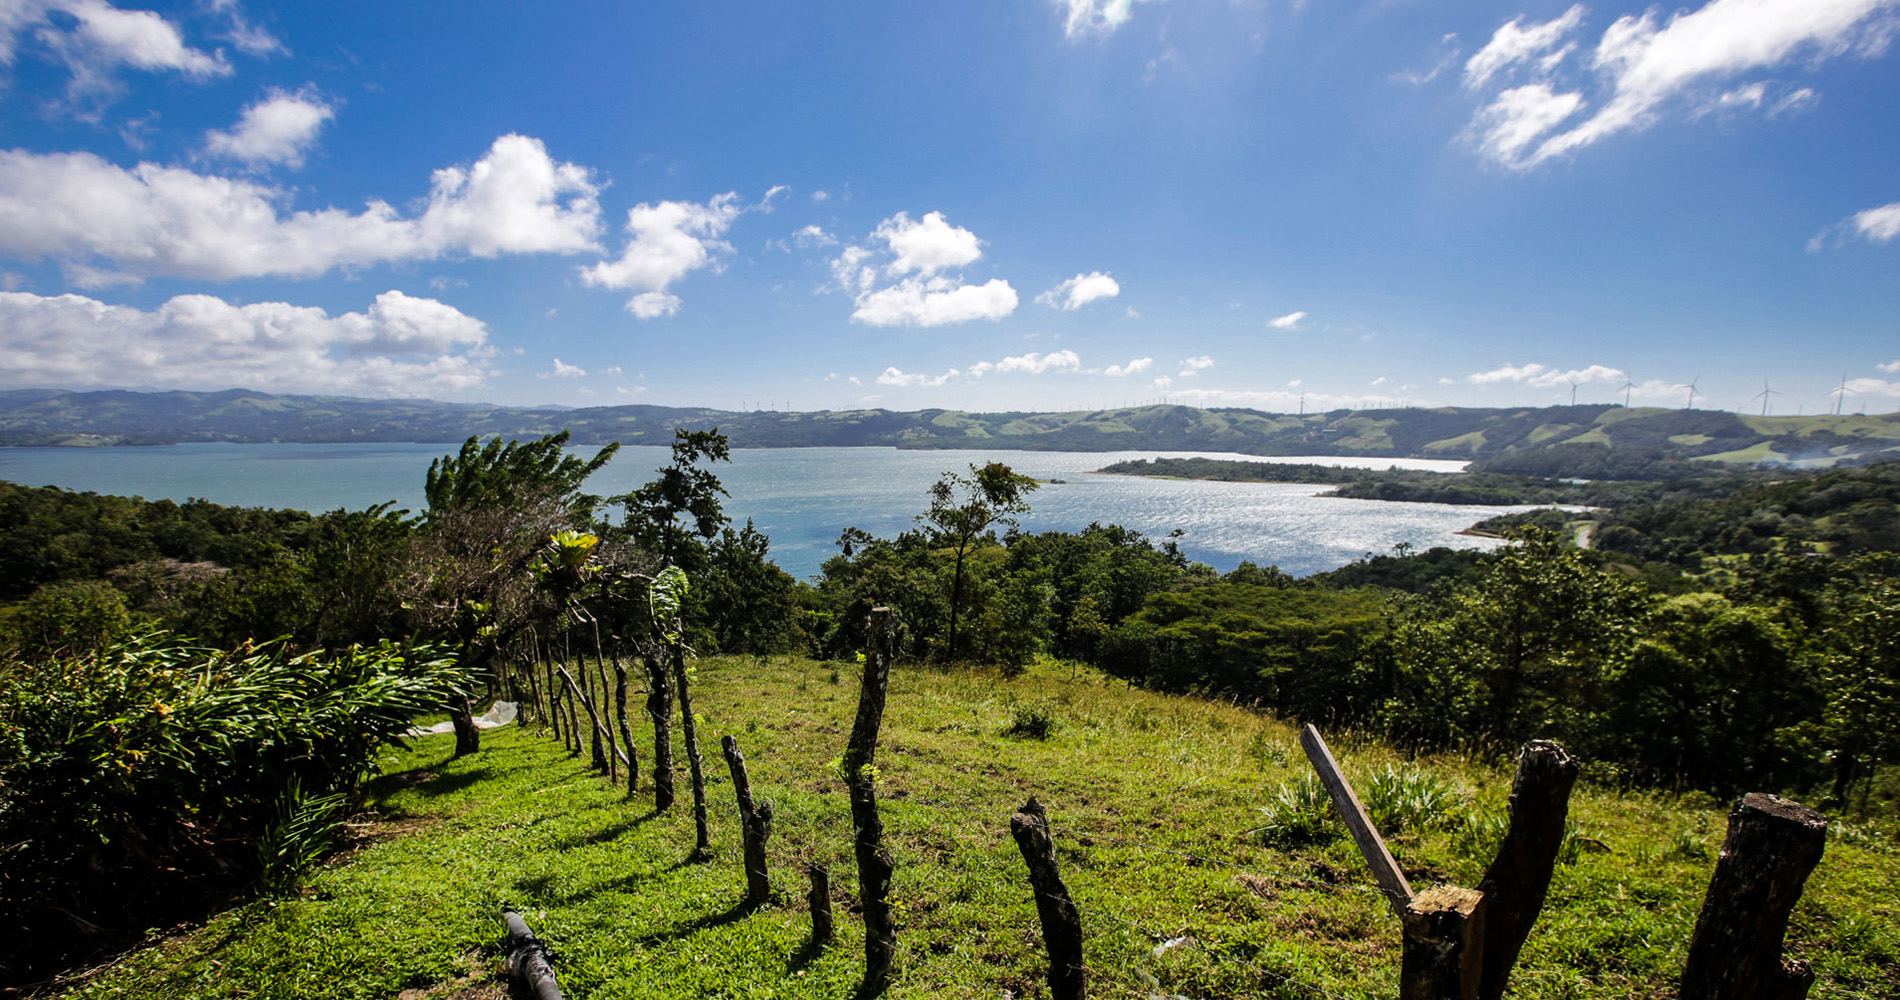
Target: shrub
x=1408 y=798
x=1035 y=722
x=1298 y=812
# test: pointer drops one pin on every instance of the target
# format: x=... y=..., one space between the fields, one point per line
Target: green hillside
x=37 y=417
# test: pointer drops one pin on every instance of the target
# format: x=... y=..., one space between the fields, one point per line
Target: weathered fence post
x=660 y=709
x=612 y=774
x=528 y=958
x=620 y=717
x=695 y=766
x=860 y=774
x=820 y=902
x=1518 y=879
x=1061 y=923
x=1398 y=891
x=1735 y=953
x=1442 y=945
x=1442 y=952
x=756 y=824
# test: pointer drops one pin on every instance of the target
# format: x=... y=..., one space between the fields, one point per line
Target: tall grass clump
x=1409 y=798
x=1298 y=812
x=146 y=779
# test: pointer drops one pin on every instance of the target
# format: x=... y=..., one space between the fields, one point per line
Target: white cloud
x=892 y=376
x=926 y=246
x=276 y=130
x=1030 y=364
x=1163 y=381
x=612 y=371
x=1875 y=225
x=670 y=240
x=1448 y=52
x=1288 y=322
x=1878 y=225
x=924 y=298
x=107 y=224
x=935 y=302
x=1289 y=400
x=813 y=236
x=245 y=36
x=1084 y=17
x=1377 y=382
x=94 y=39
x=1644 y=64
x=1873 y=387
x=1540 y=45
x=561 y=370
x=1544 y=376
x=401 y=345
x=1080 y=291
x=1195 y=365
x=1135 y=367
x=1891 y=367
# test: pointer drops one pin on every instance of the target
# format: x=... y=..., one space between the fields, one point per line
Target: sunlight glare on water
x=804 y=497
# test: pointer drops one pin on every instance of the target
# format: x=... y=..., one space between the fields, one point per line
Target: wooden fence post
x=1398 y=891
x=660 y=710
x=1443 y=928
x=1735 y=953
x=756 y=824
x=860 y=774
x=1442 y=947
x=573 y=690
x=528 y=958
x=820 y=902
x=1518 y=879
x=620 y=717
x=695 y=766
x=1061 y=923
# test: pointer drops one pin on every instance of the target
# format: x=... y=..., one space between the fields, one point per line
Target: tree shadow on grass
x=447 y=784
x=738 y=912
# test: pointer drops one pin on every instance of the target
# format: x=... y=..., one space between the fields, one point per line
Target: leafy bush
x=138 y=781
x=1035 y=722
x=1408 y=799
x=1298 y=812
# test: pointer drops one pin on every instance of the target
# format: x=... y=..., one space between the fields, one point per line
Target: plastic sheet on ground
x=499 y=714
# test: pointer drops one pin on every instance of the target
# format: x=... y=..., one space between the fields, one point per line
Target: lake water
x=803 y=497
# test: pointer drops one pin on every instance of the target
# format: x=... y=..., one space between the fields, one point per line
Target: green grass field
x=1155 y=802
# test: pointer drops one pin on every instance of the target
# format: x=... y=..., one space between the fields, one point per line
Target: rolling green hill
x=43 y=417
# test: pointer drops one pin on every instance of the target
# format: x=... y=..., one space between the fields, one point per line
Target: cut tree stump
x=528 y=962
x=755 y=822
x=1735 y=953
x=1061 y=922
x=1518 y=879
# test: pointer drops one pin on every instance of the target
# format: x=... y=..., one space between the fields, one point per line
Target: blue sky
x=994 y=204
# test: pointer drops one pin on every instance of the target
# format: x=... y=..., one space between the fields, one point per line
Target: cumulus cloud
x=94 y=40
x=1080 y=291
x=277 y=130
x=1288 y=322
x=1873 y=387
x=1288 y=400
x=1094 y=17
x=1135 y=367
x=1195 y=365
x=1030 y=364
x=917 y=250
x=107 y=224
x=1546 y=377
x=400 y=345
x=1891 y=367
x=1641 y=64
x=669 y=241
x=926 y=246
x=561 y=370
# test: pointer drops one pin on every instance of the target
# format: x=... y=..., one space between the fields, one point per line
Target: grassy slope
x=417 y=907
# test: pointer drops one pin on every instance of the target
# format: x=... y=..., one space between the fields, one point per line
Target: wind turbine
x=1627 y=386
x=1765 y=395
x=1573 y=391
x=1839 y=393
x=1691 y=387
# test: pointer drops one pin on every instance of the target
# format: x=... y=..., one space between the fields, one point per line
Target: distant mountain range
x=51 y=417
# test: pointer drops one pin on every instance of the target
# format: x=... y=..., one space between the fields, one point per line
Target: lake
x=803 y=497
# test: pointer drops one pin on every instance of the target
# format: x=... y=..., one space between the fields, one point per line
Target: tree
x=963 y=509
x=675 y=514
x=492 y=509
